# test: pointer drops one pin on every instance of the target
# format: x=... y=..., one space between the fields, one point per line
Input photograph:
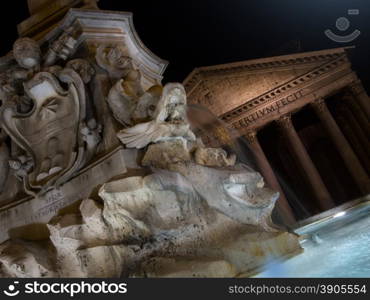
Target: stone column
x=349 y=157
x=269 y=176
x=358 y=112
x=354 y=141
x=361 y=96
x=318 y=187
x=354 y=134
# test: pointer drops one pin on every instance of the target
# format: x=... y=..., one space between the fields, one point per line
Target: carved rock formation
x=146 y=224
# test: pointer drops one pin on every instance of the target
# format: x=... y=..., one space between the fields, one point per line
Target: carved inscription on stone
x=43 y=208
x=275 y=106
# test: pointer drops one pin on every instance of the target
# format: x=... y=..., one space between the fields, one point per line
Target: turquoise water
x=338 y=247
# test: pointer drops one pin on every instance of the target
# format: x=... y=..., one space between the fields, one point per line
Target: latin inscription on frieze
x=275 y=106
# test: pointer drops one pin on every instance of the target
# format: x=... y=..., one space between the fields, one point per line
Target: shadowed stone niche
x=101 y=174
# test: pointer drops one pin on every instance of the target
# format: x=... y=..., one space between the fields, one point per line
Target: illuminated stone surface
x=112 y=181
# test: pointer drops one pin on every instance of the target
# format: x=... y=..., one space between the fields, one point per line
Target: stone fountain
x=101 y=174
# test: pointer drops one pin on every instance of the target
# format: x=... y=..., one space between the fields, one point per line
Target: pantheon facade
x=305 y=117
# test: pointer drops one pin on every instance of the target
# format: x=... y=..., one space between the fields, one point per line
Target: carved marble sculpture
x=48 y=131
x=169 y=121
x=114 y=60
x=102 y=176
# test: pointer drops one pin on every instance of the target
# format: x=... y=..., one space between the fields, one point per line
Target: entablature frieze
x=265 y=64
x=261 y=116
x=288 y=88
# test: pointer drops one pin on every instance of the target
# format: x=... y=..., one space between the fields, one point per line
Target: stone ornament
x=169 y=121
x=27 y=53
x=251 y=137
x=43 y=118
x=61 y=48
x=114 y=60
x=124 y=96
x=83 y=68
x=285 y=121
x=214 y=157
x=319 y=106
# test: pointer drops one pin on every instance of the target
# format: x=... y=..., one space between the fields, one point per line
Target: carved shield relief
x=49 y=133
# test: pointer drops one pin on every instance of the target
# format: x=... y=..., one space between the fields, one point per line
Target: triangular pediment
x=223 y=87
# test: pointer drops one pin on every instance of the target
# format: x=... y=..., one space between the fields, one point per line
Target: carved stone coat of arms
x=48 y=131
x=44 y=115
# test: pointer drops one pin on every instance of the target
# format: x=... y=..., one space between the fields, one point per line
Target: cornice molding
x=287 y=88
x=198 y=74
x=105 y=25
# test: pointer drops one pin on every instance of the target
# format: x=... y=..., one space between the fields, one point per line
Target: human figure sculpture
x=169 y=121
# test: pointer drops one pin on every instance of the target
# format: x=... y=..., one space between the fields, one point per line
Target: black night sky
x=193 y=33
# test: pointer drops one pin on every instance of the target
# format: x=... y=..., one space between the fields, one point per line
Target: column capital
x=356 y=87
x=358 y=91
x=285 y=121
x=347 y=95
x=319 y=105
x=251 y=136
